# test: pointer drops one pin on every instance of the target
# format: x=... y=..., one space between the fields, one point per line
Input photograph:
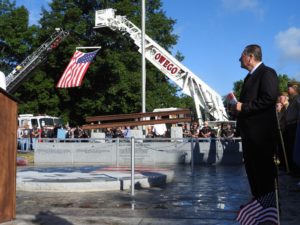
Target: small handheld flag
x=259 y=210
x=76 y=69
x=231 y=98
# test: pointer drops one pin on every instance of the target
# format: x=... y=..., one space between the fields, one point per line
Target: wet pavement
x=211 y=196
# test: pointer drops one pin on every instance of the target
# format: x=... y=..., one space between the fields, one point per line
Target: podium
x=8 y=149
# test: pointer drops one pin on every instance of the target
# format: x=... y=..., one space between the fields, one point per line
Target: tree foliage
x=283 y=84
x=16 y=37
x=112 y=83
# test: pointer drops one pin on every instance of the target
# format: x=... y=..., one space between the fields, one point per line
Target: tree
x=16 y=37
x=282 y=78
x=237 y=87
x=113 y=82
x=283 y=82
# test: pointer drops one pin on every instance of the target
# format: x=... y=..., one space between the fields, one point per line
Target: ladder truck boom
x=207 y=101
x=22 y=71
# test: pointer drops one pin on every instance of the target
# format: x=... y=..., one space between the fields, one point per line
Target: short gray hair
x=255 y=50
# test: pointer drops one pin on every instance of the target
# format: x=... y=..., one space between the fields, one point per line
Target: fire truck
x=39 y=121
x=209 y=104
x=14 y=79
x=22 y=71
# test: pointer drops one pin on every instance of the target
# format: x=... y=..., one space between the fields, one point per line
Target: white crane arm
x=207 y=100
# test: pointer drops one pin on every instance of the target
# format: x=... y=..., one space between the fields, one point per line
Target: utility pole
x=143 y=59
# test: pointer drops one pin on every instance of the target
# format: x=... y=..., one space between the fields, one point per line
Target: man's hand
x=238 y=106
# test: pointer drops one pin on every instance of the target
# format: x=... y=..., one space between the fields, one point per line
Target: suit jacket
x=257 y=120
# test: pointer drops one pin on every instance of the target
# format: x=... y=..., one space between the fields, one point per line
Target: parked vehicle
x=39 y=120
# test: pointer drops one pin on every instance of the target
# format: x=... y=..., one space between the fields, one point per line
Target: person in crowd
x=290 y=119
x=283 y=99
x=281 y=106
x=20 y=137
x=69 y=133
x=228 y=132
x=47 y=132
x=195 y=130
x=109 y=134
x=118 y=133
x=218 y=131
x=149 y=132
x=159 y=130
x=278 y=107
x=257 y=122
x=127 y=132
x=77 y=132
x=55 y=130
x=84 y=135
x=206 y=131
x=26 y=138
x=34 y=136
x=61 y=132
x=186 y=131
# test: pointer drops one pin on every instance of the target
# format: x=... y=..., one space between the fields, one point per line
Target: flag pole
x=143 y=59
x=282 y=144
x=277 y=199
x=143 y=62
x=276 y=161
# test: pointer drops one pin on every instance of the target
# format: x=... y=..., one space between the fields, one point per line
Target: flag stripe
x=67 y=75
x=259 y=210
x=81 y=73
x=245 y=208
x=76 y=69
x=268 y=214
x=247 y=215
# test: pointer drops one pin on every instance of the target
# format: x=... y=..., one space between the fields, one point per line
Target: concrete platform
x=89 y=178
x=212 y=195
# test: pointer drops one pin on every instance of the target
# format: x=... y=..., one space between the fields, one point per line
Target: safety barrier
x=152 y=151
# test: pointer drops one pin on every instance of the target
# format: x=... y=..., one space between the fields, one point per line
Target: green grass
x=29 y=156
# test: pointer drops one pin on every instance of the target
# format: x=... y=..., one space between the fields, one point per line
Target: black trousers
x=289 y=143
x=260 y=166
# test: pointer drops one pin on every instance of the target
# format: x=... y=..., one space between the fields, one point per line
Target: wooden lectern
x=8 y=149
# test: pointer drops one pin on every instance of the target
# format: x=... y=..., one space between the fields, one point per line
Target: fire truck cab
x=40 y=121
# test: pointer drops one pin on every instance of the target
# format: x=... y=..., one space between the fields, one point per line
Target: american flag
x=231 y=98
x=74 y=73
x=259 y=210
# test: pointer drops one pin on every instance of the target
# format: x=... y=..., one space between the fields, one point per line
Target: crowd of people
x=223 y=130
x=194 y=130
x=28 y=137
x=288 y=111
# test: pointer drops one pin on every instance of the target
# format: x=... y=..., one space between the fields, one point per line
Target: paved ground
x=212 y=196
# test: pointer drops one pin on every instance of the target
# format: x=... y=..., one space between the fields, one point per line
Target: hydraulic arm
x=22 y=71
x=207 y=101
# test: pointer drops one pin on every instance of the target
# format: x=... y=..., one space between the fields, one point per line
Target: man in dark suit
x=257 y=121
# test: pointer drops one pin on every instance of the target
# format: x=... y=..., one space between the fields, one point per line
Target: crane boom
x=22 y=71
x=207 y=101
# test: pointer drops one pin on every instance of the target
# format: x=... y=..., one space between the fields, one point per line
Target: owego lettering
x=166 y=63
